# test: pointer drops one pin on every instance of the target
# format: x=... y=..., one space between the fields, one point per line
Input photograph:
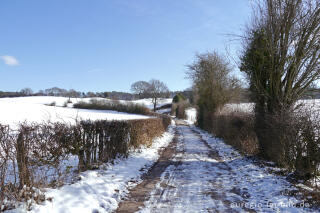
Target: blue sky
x=104 y=45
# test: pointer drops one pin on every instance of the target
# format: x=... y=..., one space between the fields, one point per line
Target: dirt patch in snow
x=212 y=153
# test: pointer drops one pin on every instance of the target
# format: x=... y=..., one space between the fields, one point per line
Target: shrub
x=53 y=103
x=165 y=106
x=306 y=151
x=142 y=132
x=178 y=109
x=65 y=104
x=237 y=129
x=294 y=141
x=178 y=97
x=113 y=105
x=6 y=155
x=213 y=84
x=179 y=105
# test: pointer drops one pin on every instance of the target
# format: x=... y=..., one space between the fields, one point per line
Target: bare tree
x=281 y=58
x=56 y=91
x=140 y=88
x=213 y=84
x=26 y=91
x=290 y=31
x=40 y=92
x=157 y=89
x=73 y=94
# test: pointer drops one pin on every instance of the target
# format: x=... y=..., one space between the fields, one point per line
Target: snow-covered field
x=310 y=104
x=35 y=109
x=148 y=102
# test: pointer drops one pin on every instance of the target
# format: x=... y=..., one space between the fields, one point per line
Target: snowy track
x=207 y=175
x=187 y=186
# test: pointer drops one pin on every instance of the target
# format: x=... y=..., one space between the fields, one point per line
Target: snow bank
x=191 y=115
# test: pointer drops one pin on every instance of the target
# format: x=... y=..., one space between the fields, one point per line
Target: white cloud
x=10 y=60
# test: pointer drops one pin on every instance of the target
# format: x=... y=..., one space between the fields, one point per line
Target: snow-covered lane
x=211 y=176
x=185 y=186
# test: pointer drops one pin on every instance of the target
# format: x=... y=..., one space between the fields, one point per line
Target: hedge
x=33 y=151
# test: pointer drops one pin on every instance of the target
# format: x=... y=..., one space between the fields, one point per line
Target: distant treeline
x=59 y=92
x=312 y=93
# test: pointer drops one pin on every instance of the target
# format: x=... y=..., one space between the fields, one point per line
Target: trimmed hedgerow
x=113 y=105
x=33 y=154
x=237 y=129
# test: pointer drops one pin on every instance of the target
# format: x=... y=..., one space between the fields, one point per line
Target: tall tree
x=213 y=84
x=26 y=91
x=157 y=89
x=281 y=58
x=285 y=35
x=140 y=88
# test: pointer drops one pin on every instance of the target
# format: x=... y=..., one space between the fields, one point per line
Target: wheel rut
x=141 y=193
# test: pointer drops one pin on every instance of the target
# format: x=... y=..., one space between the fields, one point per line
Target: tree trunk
x=155 y=104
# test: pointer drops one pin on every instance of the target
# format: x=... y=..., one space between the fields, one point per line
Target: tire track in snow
x=186 y=187
x=139 y=194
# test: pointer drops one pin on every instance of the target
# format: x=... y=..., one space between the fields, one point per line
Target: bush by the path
x=178 y=97
x=237 y=129
x=179 y=105
x=179 y=109
x=297 y=150
x=166 y=106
